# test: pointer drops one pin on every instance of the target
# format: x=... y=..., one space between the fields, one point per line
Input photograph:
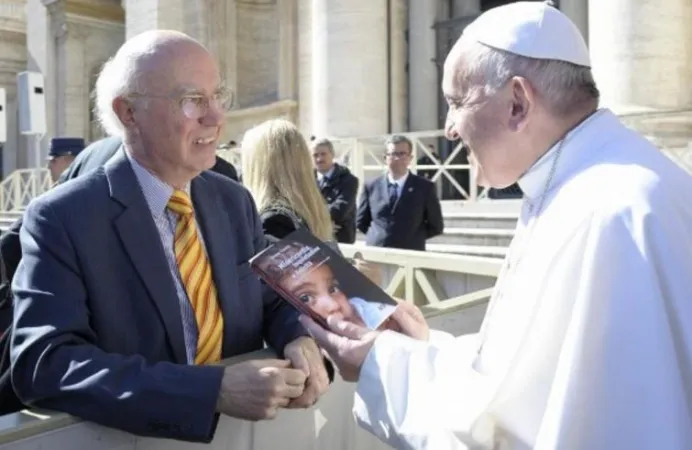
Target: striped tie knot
x=180 y=203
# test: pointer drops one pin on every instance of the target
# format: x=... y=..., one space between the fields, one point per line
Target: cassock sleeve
x=413 y=394
x=622 y=379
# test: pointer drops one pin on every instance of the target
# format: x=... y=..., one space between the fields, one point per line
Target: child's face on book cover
x=320 y=290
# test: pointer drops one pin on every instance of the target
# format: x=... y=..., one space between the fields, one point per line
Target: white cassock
x=587 y=341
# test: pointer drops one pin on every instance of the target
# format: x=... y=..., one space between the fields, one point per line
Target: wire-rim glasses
x=196 y=106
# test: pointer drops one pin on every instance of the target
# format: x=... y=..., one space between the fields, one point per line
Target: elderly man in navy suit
x=134 y=279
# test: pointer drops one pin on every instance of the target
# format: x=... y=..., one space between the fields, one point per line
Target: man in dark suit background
x=399 y=209
x=339 y=188
x=117 y=323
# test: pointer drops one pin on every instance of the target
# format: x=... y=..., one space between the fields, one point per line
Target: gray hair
x=117 y=78
x=398 y=139
x=323 y=142
x=563 y=85
x=122 y=74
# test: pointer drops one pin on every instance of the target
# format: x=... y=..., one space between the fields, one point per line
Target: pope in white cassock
x=587 y=340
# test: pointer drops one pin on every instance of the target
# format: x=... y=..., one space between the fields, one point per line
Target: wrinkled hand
x=410 y=321
x=346 y=343
x=255 y=390
x=306 y=356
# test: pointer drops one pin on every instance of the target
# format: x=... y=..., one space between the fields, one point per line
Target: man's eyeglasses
x=196 y=106
x=396 y=155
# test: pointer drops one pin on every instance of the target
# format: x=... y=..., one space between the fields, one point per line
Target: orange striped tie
x=195 y=272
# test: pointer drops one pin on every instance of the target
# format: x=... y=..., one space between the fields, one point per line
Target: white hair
x=563 y=85
x=122 y=74
x=118 y=78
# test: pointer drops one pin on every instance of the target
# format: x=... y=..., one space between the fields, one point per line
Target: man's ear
x=125 y=111
x=522 y=103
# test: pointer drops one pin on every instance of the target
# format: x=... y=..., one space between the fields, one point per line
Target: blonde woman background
x=278 y=171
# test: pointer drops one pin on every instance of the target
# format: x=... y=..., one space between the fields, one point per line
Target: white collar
x=400 y=182
x=578 y=143
x=329 y=173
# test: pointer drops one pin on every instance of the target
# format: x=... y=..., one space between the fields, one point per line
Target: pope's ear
x=522 y=103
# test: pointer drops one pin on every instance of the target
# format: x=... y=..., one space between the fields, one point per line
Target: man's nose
x=214 y=117
x=450 y=133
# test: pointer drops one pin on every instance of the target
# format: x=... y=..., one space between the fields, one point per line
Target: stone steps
x=471 y=250
x=494 y=237
x=493 y=220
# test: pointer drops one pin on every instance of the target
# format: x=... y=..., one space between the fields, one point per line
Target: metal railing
x=21 y=186
x=434 y=157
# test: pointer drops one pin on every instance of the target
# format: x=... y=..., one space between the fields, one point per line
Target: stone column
x=220 y=35
x=578 y=11
x=398 y=63
x=305 y=58
x=13 y=53
x=349 y=67
x=641 y=53
x=288 y=54
x=463 y=8
x=143 y=15
x=422 y=71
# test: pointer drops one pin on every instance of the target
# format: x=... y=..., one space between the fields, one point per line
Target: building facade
x=336 y=67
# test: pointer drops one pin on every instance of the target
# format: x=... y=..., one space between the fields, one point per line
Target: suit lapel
x=383 y=188
x=406 y=191
x=211 y=214
x=142 y=243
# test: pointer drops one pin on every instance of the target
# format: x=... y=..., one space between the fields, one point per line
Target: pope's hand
x=410 y=321
x=306 y=356
x=346 y=343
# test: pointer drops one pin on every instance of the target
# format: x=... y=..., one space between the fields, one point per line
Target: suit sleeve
x=281 y=325
x=277 y=226
x=345 y=203
x=364 y=214
x=434 y=223
x=57 y=364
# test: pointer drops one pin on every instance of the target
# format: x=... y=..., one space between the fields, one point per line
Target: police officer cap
x=64 y=146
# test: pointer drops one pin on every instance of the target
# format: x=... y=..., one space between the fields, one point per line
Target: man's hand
x=410 y=321
x=346 y=343
x=255 y=390
x=306 y=356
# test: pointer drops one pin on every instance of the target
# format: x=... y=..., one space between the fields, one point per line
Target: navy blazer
x=98 y=332
x=416 y=216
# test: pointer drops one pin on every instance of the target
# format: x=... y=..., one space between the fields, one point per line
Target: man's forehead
x=193 y=88
x=398 y=145
x=452 y=71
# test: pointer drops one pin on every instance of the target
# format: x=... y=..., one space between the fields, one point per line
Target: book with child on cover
x=319 y=282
